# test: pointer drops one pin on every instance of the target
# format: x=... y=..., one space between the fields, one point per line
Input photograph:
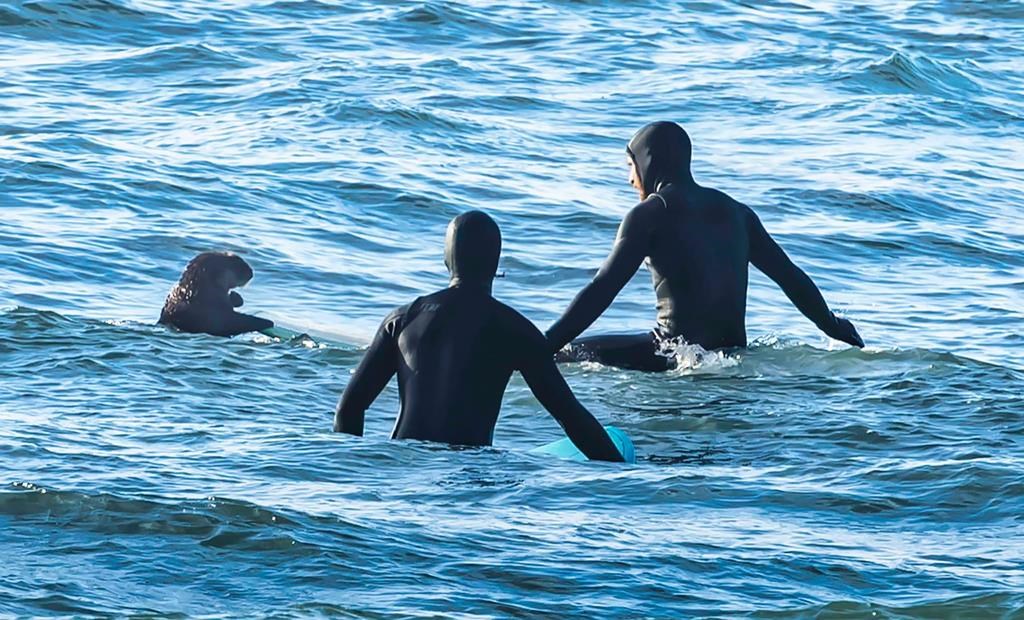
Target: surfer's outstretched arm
x=547 y=384
x=374 y=371
x=771 y=259
x=550 y=388
x=626 y=256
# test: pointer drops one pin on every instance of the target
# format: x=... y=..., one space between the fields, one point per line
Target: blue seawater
x=144 y=472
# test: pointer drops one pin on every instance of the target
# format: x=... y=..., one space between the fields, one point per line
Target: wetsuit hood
x=661 y=155
x=471 y=248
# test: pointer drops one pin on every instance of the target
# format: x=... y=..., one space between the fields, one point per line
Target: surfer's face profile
x=634 y=178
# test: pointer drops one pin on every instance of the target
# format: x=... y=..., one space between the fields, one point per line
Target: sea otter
x=202 y=301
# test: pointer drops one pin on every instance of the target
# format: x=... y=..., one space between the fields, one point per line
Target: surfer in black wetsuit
x=698 y=242
x=454 y=352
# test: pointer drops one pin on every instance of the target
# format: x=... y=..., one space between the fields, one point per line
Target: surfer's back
x=698 y=260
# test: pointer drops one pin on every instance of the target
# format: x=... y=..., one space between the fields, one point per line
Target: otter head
x=215 y=272
x=232 y=271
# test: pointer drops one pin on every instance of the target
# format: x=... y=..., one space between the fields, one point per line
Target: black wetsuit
x=454 y=352
x=698 y=242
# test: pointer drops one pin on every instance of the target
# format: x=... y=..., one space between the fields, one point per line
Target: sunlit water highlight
x=329 y=143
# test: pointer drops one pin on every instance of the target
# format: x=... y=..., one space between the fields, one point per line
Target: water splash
x=691 y=359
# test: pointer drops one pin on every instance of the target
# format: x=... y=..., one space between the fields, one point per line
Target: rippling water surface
x=327 y=142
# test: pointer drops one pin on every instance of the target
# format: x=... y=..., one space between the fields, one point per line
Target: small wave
x=987 y=605
x=443 y=14
x=25 y=329
x=124 y=515
x=450 y=21
x=881 y=207
x=770 y=356
x=433 y=14
x=920 y=74
x=10 y=18
x=773 y=356
x=293 y=338
x=397 y=115
x=984 y=10
x=98 y=20
x=160 y=60
x=303 y=8
x=99 y=8
x=500 y=103
x=21 y=318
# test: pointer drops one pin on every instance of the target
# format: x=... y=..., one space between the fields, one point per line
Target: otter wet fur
x=202 y=301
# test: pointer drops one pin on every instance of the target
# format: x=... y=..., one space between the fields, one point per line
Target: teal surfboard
x=566 y=449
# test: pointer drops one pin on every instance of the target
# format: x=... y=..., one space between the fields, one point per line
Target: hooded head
x=472 y=247
x=661 y=154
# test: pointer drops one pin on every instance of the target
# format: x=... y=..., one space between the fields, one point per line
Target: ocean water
x=145 y=472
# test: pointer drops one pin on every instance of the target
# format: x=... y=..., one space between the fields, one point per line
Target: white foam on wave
x=302 y=339
x=693 y=358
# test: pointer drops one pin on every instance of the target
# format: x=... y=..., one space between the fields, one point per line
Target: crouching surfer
x=697 y=242
x=454 y=352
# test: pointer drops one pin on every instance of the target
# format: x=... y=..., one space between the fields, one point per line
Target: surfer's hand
x=845 y=331
x=235 y=299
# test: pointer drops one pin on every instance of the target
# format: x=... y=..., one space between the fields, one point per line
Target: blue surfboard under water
x=566 y=449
